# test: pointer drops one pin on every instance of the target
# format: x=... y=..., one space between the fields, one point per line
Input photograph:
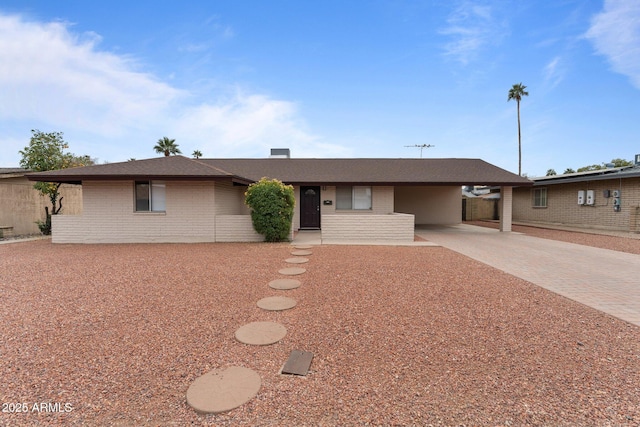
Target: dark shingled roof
x=298 y=171
x=12 y=171
x=165 y=168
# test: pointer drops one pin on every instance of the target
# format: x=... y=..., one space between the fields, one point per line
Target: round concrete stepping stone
x=285 y=284
x=276 y=303
x=296 y=260
x=261 y=333
x=301 y=253
x=292 y=271
x=222 y=390
x=302 y=246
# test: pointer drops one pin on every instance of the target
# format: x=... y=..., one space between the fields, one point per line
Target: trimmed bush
x=271 y=204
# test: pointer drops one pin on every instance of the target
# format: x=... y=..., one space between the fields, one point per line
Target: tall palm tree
x=516 y=92
x=167 y=146
x=197 y=154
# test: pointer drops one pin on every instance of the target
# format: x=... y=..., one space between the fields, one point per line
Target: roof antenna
x=421 y=147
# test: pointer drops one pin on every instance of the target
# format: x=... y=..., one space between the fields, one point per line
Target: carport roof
x=371 y=171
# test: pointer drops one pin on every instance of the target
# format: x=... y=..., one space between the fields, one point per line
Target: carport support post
x=506 y=205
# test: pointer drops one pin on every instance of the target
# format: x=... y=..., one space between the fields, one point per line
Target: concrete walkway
x=606 y=280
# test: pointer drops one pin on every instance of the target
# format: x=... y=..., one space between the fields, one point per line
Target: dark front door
x=309 y=207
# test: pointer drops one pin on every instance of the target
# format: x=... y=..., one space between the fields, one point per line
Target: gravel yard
x=401 y=336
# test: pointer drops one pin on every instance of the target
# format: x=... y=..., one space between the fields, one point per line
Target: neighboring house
x=607 y=199
x=21 y=205
x=177 y=199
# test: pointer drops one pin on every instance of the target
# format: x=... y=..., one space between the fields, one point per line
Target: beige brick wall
x=109 y=216
x=236 y=228
x=230 y=199
x=381 y=202
x=21 y=205
x=389 y=227
x=430 y=205
x=506 y=208
x=562 y=205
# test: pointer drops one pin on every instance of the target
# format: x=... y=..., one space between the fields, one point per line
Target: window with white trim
x=539 y=197
x=354 y=198
x=150 y=196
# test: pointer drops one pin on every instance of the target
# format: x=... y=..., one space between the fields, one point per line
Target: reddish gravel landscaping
x=401 y=336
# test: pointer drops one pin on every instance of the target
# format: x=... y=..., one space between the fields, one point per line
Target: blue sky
x=234 y=78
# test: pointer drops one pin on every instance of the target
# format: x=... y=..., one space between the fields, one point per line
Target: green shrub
x=271 y=204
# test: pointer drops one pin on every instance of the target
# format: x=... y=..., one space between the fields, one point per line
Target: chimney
x=637 y=162
x=280 y=153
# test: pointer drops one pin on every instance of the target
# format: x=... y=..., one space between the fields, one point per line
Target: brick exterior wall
x=562 y=205
x=236 y=228
x=506 y=208
x=109 y=215
x=389 y=227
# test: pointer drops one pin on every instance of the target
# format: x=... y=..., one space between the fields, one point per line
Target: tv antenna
x=421 y=147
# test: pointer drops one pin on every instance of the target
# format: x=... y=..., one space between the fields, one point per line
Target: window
x=353 y=198
x=539 y=197
x=150 y=196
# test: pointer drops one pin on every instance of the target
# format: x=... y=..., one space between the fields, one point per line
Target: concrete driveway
x=606 y=280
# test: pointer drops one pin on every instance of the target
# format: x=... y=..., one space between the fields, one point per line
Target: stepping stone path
x=285 y=284
x=296 y=260
x=223 y=390
x=276 y=303
x=301 y=253
x=261 y=333
x=292 y=271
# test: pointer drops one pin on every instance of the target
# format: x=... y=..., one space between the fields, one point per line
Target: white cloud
x=54 y=79
x=554 y=72
x=244 y=124
x=615 y=34
x=49 y=73
x=471 y=27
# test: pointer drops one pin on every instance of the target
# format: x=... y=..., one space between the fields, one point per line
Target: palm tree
x=167 y=146
x=516 y=92
x=197 y=154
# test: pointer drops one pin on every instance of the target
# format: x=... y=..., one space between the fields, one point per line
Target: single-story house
x=21 y=205
x=177 y=199
x=606 y=199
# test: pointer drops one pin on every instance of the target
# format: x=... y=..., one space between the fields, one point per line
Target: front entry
x=310 y=207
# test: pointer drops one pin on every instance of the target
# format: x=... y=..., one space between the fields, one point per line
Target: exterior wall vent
x=280 y=153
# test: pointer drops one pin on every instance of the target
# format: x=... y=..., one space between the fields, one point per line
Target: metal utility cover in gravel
x=301 y=253
x=261 y=333
x=292 y=271
x=222 y=390
x=298 y=363
x=285 y=284
x=296 y=260
x=277 y=303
